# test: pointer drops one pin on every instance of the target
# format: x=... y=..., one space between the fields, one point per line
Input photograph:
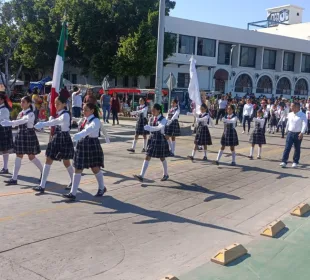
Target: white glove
x=147 y=127
x=133 y=113
x=50 y=118
x=6 y=123
x=39 y=125
x=189 y=113
x=107 y=140
x=169 y=122
x=76 y=137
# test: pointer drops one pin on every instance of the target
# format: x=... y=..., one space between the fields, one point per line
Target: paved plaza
x=149 y=230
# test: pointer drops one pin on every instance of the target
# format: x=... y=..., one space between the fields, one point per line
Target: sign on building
x=281 y=17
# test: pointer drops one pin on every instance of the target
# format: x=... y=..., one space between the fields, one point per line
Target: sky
x=234 y=13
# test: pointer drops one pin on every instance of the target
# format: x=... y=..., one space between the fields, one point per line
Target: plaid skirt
x=141 y=122
x=173 y=129
x=258 y=136
x=88 y=154
x=157 y=146
x=203 y=136
x=230 y=136
x=26 y=142
x=273 y=121
x=61 y=147
x=6 y=139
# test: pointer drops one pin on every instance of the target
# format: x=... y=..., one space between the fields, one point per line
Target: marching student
x=230 y=136
x=203 y=137
x=6 y=136
x=157 y=146
x=258 y=135
x=60 y=148
x=88 y=152
x=283 y=117
x=141 y=122
x=273 y=119
x=172 y=129
x=26 y=141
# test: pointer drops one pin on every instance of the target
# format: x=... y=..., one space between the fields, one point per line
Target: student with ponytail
x=6 y=136
x=26 y=141
x=60 y=148
x=88 y=153
x=157 y=145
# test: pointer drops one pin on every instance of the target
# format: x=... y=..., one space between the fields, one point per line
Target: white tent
x=67 y=83
x=17 y=83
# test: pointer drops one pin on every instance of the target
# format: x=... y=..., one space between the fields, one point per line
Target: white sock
x=134 y=143
x=75 y=183
x=18 y=163
x=165 y=166
x=144 y=168
x=5 y=161
x=46 y=171
x=170 y=145
x=274 y=129
x=259 y=151
x=193 y=153
x=233 y=155
x=38 y=164
x=205 y=152
x=251 y=151
x=173 y=147
x=70 y=171
x=144 y=143
x=219 y=155
x=100 y=180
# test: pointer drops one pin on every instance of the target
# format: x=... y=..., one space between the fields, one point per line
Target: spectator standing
x=90 y=97
x=105 y=101
x=222 y=108
x=115 y=106
x=76 y=102
x=247 y=114
x=37 y=101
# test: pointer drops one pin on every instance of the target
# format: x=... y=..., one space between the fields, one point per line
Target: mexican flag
x=59 y=68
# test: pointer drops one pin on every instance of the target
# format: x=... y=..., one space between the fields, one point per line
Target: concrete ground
x=145 y=231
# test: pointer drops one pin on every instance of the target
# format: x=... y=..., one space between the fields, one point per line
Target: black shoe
x=68 y=187
x=107 y=121
x=140 y=178
x=191 y=158
x=40 y=178
x=171 y=154
x=101 y=192
x=250 y=157
x=4 y=171
x=259 y=157
x=233 y=164
x=131 y=150
x=38 y=189
x=164 y=178
x=11 y=182
x=205 y=158
x=69 y=196
x=216 y=163
x=143 y=150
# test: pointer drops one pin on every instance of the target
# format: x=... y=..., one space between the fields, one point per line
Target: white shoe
x=283 y=164
x=243 y=132
x=294 y=165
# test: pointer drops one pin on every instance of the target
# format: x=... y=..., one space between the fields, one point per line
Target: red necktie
x=21 y=115
x=83 y=124
x=155 y=121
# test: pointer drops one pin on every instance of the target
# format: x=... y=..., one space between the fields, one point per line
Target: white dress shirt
x=160 y=127
x=283 y=115
x=26 y=119
x=76 y=100
x=204 y=119
x=230 y=119
x=296 y=122
x=4 y=113
x=90 y=129
x=222 y=104
x=261 y=121
x=142 y=110
x=176 y=114
x=268 y=107
x=63 y=121
x=248 y=110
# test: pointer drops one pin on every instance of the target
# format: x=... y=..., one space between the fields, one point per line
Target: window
x=206 y=47
x=183 y=80
x=134 y=81
x=186 y=44
x=115 y=81
x=269 y=59
x=301 y=87
x=305 y=63
x=244 y=84
x=288 y=61
x=152 y=81
x=66 y=76
x=247 y=57
x=284 y=86
x=264 y=85
x=125 y=81
x=224 y=54
x=74 y=78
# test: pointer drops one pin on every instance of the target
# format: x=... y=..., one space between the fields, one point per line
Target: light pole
x=231 y=53
x=160 y=52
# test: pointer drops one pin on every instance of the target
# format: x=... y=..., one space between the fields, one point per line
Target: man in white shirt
x=222 y=109
x=296 y=127
x=247 y=114
x=76 y=103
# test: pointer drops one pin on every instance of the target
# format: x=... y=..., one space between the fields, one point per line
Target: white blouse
x=141 y=110
x=91 y=129
x=176 y=114
x=205 y=118
x=230 y=119
x=4 y=113
x=160 y=127
x=63 y=121
x=25 y=119
x=261 y=121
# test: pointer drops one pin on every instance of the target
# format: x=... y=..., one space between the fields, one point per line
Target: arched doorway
x=284 y=86
x=221 y=78
x=301 y=87
x=244 y=84
x=264 y=85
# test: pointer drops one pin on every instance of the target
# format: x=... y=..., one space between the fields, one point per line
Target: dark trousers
x=76 y=112
x=292 y=139
x=283 y=125
x=220 y=114
x=308 y=132
x=115 y=115
x=106 y=112
x=240 y=116
x=248 y=120
x=265 y=124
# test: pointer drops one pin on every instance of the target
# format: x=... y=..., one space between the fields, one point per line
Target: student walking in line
x=26 y=141
x=6 y=136
x=203 y=136
x=60 y=148
x=247 y=114
x=157 y=146
x=172 y=129
x=88 y=152
x=141 y=113
x=258 y=135
x=230 y=136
